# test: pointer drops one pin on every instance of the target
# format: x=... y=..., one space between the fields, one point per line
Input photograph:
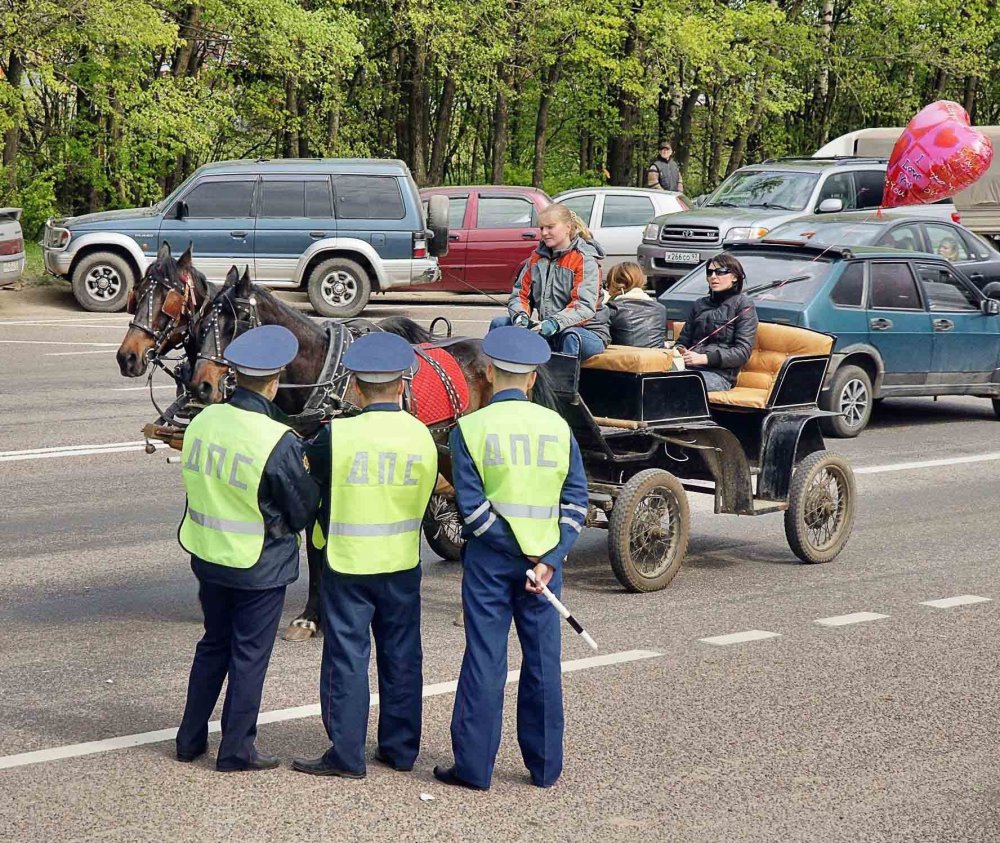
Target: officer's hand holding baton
x=537 y=584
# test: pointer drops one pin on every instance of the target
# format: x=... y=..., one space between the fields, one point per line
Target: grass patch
x=34 y=267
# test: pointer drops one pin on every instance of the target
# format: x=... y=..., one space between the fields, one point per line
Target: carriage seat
x=630 y=358
x=775 y=344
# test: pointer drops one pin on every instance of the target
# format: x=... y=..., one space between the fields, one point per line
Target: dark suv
x=339 y=228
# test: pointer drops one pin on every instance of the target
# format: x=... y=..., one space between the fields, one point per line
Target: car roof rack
x=856 y=159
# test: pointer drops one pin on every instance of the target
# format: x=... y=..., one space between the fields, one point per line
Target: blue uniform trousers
x=389 y=605
x=492 y=594
x=240 y=628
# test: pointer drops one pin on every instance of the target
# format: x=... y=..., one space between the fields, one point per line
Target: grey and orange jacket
x=564 y=286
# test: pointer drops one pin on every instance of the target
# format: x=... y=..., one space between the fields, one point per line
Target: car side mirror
x=991 y=307
x=181 y=210
x=992 y=290
x=699 y=201
x=830 y=206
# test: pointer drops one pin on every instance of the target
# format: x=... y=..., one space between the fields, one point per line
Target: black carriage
x=650 y=435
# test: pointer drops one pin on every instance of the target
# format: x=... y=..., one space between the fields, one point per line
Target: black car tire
x=996 y=407
x=850 y=394
x=101 y=282
x=437 y=222
x=339 y=288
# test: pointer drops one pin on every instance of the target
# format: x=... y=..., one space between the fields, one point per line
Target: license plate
x=11 y=266
x=682 y=257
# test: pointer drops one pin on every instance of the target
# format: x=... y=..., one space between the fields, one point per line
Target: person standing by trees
x=663 y=172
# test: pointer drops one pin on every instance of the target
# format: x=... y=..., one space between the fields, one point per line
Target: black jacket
x=667 y=172
x=288 y=498
x=729 y=350
x=640 y=322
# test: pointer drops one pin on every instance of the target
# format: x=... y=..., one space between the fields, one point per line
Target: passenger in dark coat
x=635 y=318
x=719 y=334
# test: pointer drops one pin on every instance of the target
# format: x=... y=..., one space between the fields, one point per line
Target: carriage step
x=760 y=507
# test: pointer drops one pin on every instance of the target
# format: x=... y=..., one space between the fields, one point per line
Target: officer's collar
x=254 y=402
x=381 y=407
x=509 y=395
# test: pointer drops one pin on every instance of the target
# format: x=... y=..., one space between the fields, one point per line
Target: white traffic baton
x=562 y=610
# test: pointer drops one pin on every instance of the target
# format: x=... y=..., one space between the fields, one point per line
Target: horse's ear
x=232 y=277
x=246 y=285
x=185 y=261
x=164 y=252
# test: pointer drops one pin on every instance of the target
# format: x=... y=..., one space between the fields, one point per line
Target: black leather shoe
x=383 y=760
x=260 y=761
x=188 y=757
x=447 y=776
x=321 y=767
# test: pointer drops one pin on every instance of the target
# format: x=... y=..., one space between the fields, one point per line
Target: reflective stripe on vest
x=521 y=451
x=382 y=473
x=225 y=451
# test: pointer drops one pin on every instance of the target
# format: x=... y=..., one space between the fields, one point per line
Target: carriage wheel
x=443 y=528
x=820 y=514
x=648 y=530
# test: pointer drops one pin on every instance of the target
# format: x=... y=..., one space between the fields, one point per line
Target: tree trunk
x=442 y=131
x=740 y=146
x=12 y=137
x=333 y=130
x=416 y=94
x=715 y=156
x=621 y=144
x=663 y=115
x=969 y=97
x=501 y=119
x=187 y=33
x=682 y=143
x=821 y=86
x=542 y=122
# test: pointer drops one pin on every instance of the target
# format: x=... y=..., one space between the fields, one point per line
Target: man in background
x=663 y=172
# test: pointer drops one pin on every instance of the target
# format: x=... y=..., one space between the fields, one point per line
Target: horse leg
x=307 y=624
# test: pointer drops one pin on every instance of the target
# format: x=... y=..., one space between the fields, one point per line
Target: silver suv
x=755 y=199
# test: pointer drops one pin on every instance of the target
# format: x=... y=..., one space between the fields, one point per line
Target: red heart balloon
x=937 y=155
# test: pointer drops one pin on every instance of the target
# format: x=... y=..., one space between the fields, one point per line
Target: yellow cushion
x=629 y=358
x=741 y=396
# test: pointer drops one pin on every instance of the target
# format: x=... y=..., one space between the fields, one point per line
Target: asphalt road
x=880 y=729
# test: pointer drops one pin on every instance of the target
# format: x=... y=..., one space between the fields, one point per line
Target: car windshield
x=787 y=191
x=803 y=276
x=847 y=233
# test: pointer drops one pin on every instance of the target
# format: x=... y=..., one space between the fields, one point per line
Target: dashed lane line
x=103 y=345
x=908 y=466
x=846 y=620
x=952 y=602
x=739 y=637
x=74 y=451
x=60 y=753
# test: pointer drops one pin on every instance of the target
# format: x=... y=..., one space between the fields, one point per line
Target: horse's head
x=163 y=306
x=232 y=312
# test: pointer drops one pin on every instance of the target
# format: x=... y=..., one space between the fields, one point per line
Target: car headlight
x=750 y=233
x=651 y=232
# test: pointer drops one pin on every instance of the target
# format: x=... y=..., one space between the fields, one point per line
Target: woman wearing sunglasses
x=719 y=333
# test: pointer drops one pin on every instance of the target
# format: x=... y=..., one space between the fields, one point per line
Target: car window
x=319 y=199
x=581 y=205
x=764 y=189
x=505 y=212
x=947 y=242
x=893 y=287
x=456 y=211
x=903 y=237
x=838 y=186
x=869 y=185
x=850 y=287
x=945 y=290
x=622 y=211
x=217 y=199
x=367 y=198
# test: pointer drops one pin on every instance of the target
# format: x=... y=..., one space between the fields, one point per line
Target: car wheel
x=339 y=288
x=101 y=282
x=996 y=407
x=850 y=394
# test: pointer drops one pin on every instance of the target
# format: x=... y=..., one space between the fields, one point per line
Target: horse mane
x=405 y=327
x=296 y=317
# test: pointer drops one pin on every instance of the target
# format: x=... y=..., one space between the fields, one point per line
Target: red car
x=491 y=230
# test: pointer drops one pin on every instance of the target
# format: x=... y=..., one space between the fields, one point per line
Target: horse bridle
x=178 y=302
x=246 y=318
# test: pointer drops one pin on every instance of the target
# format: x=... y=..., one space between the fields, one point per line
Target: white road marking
x=908 y=466
x=856 y=617
x=78 y=353
x=75 y=320
x=60 y=753
x=74 y=451
x=740 y=637
x=101 y=326
x=140 y=388
x=951 y=602
x=58 y=342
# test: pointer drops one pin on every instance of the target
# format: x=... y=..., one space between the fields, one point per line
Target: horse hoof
x=300 y=630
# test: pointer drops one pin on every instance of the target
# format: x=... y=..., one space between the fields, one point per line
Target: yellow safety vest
x=225 y=451
x=521 y=451
x=382 y=474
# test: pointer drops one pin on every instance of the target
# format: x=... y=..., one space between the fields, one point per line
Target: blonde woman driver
x=561 y=284
x=635 y=318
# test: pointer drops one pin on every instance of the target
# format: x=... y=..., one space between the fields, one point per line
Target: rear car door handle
x=239 y=235
x=943 y=324
x=880 y=324
x=529 y=235
x=454 y=237
x=317 y=235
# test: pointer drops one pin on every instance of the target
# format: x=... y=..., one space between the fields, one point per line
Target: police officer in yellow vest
x=382 y=468
x=521 y=489
x=248 y=494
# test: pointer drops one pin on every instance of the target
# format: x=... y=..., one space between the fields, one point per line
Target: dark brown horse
x=164 y=305
x=241 y=305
